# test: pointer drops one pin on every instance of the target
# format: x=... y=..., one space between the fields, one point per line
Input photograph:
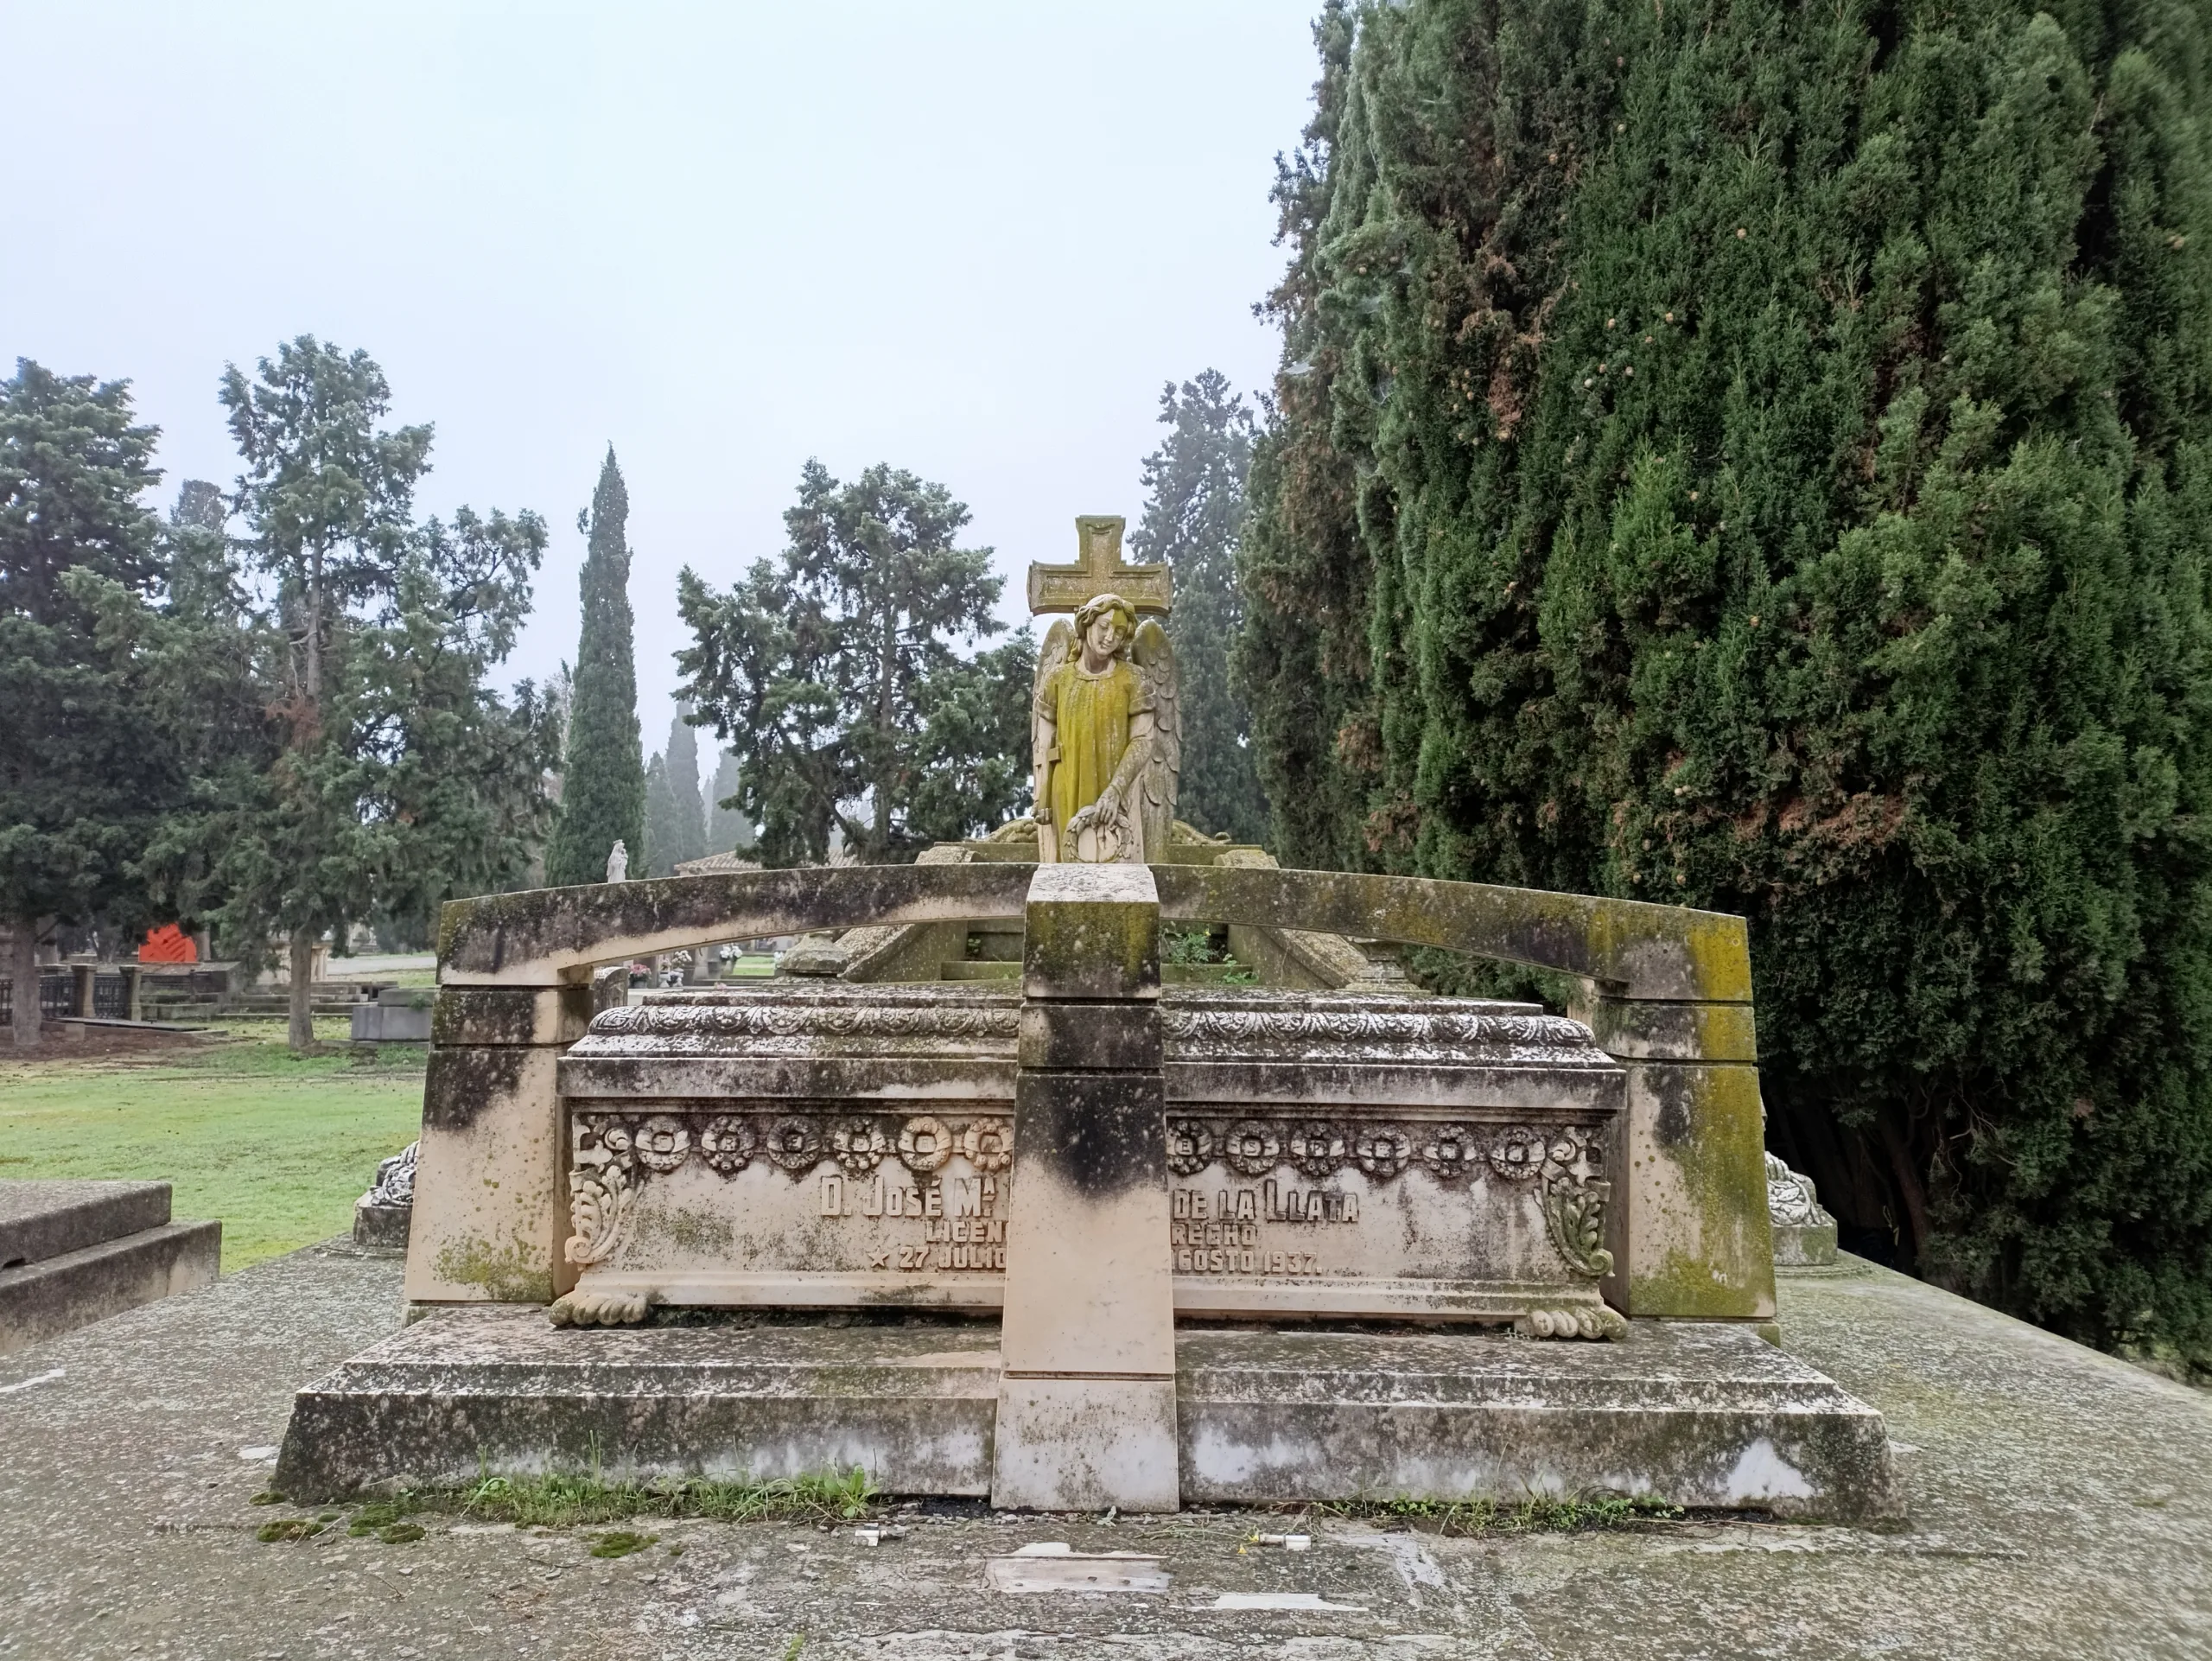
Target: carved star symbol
x=880 y=1260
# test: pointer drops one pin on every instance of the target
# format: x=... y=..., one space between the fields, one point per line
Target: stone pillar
x=1086 y=1414
x=81 y=976
x=491 y=1206
x=1691 y=1192
x=131 y=991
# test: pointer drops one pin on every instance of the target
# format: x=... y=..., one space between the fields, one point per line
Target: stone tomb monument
x=1074 y=1238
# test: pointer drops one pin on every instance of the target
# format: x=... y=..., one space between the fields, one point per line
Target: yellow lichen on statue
x=1093 y=720
x=1107 y=744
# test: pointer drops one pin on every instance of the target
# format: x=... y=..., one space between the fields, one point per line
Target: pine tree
x=83 y=775
x=1192 y=519
x=603 y=771
x=1761 y=457
x=728 y=829
x=834 y=668
x=683 y=754
x=401 y=778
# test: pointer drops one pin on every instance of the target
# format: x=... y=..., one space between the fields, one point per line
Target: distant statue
x=618 y=862
x=1105 y=737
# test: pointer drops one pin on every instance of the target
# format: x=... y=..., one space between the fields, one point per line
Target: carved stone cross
x=1098 y=570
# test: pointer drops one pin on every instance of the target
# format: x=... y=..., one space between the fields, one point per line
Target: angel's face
x=1104 y=637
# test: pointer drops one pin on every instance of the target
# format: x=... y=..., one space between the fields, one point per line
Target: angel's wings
x=1155 y=661
x=1058 y=647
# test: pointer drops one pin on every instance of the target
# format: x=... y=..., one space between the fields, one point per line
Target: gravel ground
x=2062 y=1506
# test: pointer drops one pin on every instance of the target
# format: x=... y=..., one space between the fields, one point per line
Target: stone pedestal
x=1086 y=1410
x=485 y=1224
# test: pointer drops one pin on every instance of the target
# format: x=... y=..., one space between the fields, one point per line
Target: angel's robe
x=1090 y=716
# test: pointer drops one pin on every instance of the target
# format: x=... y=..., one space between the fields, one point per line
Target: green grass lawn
x=277 y=1147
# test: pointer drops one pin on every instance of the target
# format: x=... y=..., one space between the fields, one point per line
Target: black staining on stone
x=1670 y=1087
x=499 y=1015
x=461 y=1083
x=1101 y=1134
x=1060 y=1036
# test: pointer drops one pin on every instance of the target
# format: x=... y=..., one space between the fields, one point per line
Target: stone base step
x=44 y=1299
x=1693 y=1414
x=41 y=1219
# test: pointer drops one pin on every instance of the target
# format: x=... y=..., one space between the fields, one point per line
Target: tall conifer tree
x=683 y=754
x=82 y=773
x=1760 y=456
x=728 y=829
x=402 y=779
x=1192 y=519
x=603 y=775
x=664 y=834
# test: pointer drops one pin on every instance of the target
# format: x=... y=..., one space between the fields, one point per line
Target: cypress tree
x=656 y=855
x=1191 y=520
x=1760 y=457
x=728 y=829
x=603 y=776
x=690 y=817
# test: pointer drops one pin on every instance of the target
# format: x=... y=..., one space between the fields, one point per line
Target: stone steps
x=71 y=1253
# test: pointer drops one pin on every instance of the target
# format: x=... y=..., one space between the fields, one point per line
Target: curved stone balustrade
x=1630 y=948
x=1667 y=992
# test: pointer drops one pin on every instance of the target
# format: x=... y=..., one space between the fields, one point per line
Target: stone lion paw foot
x=583 y=1308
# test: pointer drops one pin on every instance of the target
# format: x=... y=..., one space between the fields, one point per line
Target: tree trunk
x=1911 y=1188
x=24 y=970
x=301 y=1032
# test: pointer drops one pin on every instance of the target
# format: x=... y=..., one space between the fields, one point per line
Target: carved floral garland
x=612 y=1150
x=1567 y=1162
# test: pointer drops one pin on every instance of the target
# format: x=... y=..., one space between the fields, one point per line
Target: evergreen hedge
x=1755 y=456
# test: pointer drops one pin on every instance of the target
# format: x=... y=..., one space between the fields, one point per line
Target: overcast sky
x=970 y=240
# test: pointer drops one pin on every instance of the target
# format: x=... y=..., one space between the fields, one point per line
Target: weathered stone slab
x=501 y=1390
x=1693 y=1413
x=381 y=1227
x=42 y=1300
x=1690 y=1413
x=819 y=1144
x=2060 y=1504
x=41 y=1220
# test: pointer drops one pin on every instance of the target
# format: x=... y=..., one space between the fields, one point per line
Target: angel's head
x=1106 y=625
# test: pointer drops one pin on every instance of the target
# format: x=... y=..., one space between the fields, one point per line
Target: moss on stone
x=516 y=1273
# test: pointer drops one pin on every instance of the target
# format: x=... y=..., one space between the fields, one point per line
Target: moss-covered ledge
x=1630 y=948
x=542 y=936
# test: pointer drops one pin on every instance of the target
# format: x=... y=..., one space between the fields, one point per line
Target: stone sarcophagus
x=813 y=1146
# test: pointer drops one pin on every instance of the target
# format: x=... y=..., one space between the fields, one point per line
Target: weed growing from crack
x=559 y=1501
x=1535 y=1514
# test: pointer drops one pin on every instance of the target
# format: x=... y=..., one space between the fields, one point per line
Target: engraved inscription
x=960 y=1226
x=1219 y=1233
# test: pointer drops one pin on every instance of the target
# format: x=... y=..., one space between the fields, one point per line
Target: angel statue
x=1105 y=737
